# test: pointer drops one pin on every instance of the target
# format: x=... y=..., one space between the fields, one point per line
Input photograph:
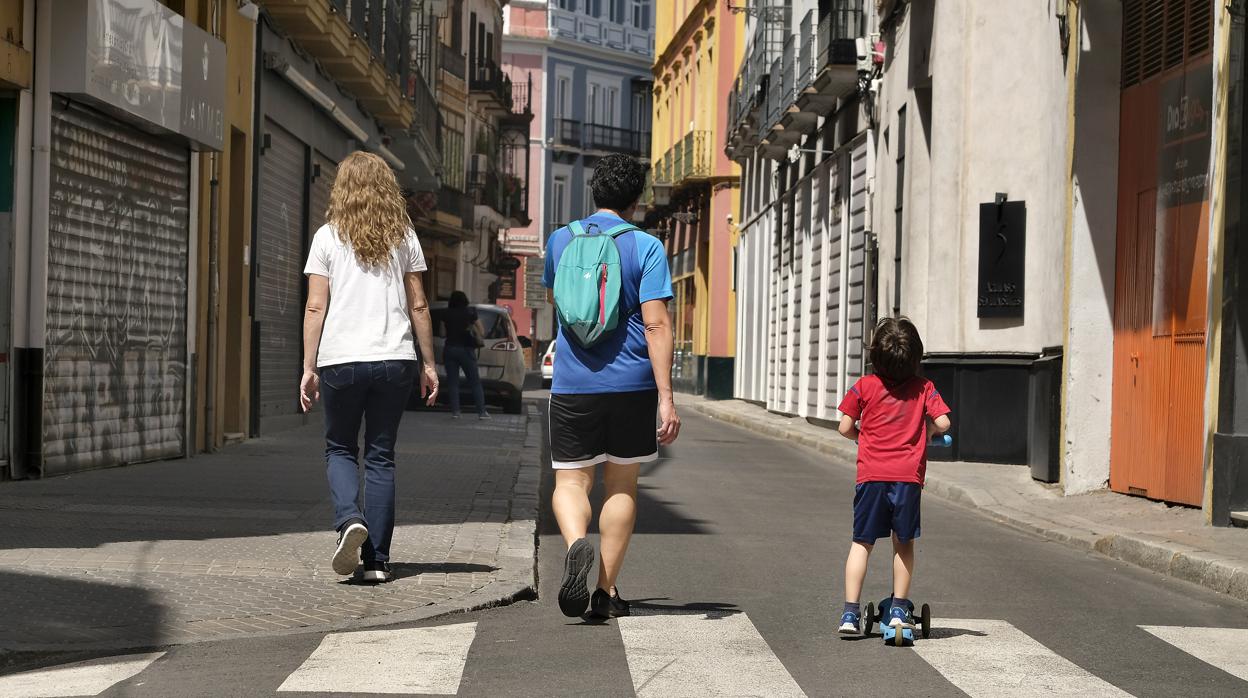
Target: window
x=588 y=203
x=563 y=95
x=593 y=8
x=457 y=26
x=591 y=106
x=558 y=203
x=641 y=14
x=617 y=11
x=569 y=5
x=453 y=151
x=612 y=98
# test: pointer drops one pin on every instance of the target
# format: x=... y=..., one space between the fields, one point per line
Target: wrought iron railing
x=691 y=158
x=568 y=132
x=522 y=96
x=384 y=26
x=428 y=119
x=615 y=140
x=489 y=78
x=453 y=62
x=505 y=192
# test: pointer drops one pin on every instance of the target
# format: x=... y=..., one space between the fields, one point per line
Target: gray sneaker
x=484 y=416
x=374 y=571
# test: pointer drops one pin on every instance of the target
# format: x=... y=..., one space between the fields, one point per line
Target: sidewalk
x=1174 y=541
x=237 y=543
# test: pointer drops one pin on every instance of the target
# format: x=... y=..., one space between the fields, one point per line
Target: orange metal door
x=1160 y=287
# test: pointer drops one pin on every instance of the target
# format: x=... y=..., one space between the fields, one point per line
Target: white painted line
x=696 y=655
x=1221 y=647
x=89 y=678
x=993 y=659
x=413 y=660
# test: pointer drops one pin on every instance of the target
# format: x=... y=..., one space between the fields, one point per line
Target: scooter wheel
x=925 y=620
x=868 y=619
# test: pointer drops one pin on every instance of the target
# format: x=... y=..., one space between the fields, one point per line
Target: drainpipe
x=214 y=279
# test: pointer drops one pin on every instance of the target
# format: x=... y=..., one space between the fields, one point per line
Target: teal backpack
x=588 y=282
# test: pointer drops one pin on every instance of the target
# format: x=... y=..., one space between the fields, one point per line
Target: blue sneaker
x=900 y=617
x=851 y=624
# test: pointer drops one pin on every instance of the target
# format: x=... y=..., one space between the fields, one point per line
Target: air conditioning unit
x=480 y=164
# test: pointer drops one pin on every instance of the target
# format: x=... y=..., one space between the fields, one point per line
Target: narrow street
x=735 y=580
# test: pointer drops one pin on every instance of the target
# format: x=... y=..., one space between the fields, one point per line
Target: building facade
x=589 y=62
x=801 y=128
x=695 y=188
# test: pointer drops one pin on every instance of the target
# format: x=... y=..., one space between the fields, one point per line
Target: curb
x=517 y=578
x=1209 y=570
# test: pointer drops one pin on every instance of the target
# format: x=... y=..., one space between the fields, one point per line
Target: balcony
x=503 y=193
x=570 y=25
x=749 y=97
x=521 y=114
x=617 y=140
x=487 y=80
x=453 y=62
x=457 y=205
x=690 y=159
x=828 y=61
x=567 y=134
x=363 y=46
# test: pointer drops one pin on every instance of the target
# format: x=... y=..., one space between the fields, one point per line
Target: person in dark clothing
x=460 y=352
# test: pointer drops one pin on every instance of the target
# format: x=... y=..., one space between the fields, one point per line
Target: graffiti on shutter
x=115 y=358
x=279 y=286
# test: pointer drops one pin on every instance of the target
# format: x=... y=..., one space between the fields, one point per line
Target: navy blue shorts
x=884 y=508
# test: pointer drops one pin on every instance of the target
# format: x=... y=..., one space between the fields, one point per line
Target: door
x=115 y=363
x=1160 y=285
x=279 y=277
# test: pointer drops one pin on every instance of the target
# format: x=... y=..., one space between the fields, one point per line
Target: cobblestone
x=238 y=542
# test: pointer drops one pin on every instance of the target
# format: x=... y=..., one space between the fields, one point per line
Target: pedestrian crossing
x=706 y=654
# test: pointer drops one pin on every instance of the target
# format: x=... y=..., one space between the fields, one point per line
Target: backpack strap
x=576 y=228
x=620 y=228
x=630 y=267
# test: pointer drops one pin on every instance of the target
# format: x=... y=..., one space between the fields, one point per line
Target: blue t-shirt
x=620 y=363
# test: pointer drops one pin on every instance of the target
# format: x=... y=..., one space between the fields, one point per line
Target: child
x=897 y=411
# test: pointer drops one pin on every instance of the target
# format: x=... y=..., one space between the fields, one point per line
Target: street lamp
x=662 y=193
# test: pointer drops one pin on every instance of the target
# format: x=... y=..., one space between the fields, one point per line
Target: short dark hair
x=896 y=349
x=459 y=299
x=617 y=182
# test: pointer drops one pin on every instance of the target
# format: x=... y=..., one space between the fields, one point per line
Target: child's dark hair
x=896 y=349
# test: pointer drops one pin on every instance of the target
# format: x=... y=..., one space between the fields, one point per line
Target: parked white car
x=548 y=365
x=500 y=362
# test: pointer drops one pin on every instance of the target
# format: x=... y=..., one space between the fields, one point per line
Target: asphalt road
x=735 y=577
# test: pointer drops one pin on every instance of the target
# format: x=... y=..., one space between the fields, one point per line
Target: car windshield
x=492 y=321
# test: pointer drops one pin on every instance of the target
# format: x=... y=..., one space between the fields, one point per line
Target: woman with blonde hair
x=365 y=302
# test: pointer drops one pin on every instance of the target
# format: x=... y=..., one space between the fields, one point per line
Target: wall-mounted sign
x=1186 y=123
x=534 y=291
x=1002 y=258
x=507 y=285
x=143 y=59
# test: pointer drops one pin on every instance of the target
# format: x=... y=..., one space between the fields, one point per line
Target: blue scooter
x=878 y=620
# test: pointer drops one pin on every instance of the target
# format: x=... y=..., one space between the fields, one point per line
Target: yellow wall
x=232 y=379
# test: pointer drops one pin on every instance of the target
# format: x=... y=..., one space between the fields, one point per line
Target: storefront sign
x=1186 y=124
x=145 y=60
x=1002 y=258
x=534 y=291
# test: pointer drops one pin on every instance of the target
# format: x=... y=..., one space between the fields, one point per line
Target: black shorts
x=589 y=429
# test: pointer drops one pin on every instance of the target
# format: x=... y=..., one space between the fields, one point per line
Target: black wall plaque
x=1002 y=258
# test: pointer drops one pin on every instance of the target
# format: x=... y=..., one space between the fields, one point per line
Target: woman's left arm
x=313 y=323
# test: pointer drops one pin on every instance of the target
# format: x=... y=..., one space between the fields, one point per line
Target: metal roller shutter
x=322 y=183
x=115 y=359
x=279 y=284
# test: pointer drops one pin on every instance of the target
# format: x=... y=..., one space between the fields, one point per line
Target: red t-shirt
x=892 y=444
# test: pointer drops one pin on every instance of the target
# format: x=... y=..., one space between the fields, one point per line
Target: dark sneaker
x=374 y=571
x=573 y=591
x=350 y=538
x=900 y=617
x=851 y=624
x=603 y=605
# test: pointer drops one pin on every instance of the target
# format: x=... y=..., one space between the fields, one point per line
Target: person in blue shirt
x=604 y=398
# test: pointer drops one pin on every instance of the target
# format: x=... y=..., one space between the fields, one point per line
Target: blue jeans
x=455 y=357
x=375 y=393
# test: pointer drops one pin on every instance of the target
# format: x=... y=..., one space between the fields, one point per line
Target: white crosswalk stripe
x=89 y=678
x=1220 y=647
x=412 y=660
x=993 y=659
x=701 y=655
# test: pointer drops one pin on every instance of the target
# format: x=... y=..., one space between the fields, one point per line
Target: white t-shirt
x=368 y=315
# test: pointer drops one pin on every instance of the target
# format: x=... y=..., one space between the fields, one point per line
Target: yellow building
x=695 y=187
